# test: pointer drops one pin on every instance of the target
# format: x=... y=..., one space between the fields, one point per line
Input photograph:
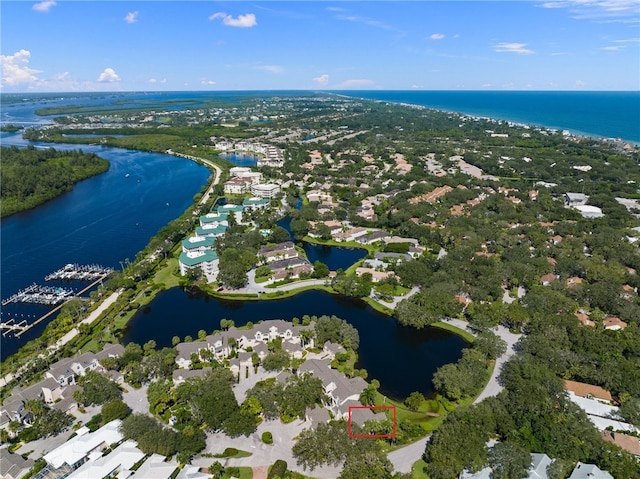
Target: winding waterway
x=403 y=359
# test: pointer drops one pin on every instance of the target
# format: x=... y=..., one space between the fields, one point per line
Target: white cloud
x=518 y=48
x=207 y=82
x=15 y=69
x=270 y=68
x=367 y=21
x=44 y=6
x=132 y=17
x=614 y=48
x=624 y=11
x=580 y=83
x=108 y=76
x=355 y=83
x=243 y=21
x=437 y=36
x=322 y=80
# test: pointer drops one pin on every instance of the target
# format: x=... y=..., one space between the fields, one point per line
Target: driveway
x=136 y=399
x=262 y=454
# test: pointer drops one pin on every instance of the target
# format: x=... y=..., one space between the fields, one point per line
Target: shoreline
x=520 y=123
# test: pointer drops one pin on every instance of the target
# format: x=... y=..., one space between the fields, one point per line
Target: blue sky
x=57 y=45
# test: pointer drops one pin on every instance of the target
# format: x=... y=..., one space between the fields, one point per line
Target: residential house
x=67 y=370
x=613 y=323
x=341 y=391
x=376 y=276
x=13 y=466
x=626 y=442
x=156 y=467
x=575 y=199
x=547 y=279
x=278 y=252
x=589 y=471
x=117 y=463
x=81 y=448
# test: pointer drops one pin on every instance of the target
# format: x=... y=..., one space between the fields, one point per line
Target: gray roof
x=539 y=464
x=13 y=465
x=288 y=263
x=589 y=471
x=345 y=387
x=184 y=374
x=277 y=247
x=185 y=350
x=318 y=415
x=110 y=351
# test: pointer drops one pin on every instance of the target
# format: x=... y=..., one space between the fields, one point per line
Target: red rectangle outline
x=383 y=436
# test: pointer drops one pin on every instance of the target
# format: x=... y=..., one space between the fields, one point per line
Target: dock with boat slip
x=52 y=296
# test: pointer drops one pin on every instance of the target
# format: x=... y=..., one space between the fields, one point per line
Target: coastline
x=575 y=132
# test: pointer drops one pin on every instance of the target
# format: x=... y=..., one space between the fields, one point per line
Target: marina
x=51 y=295
x=36 y=294
x=75 y=272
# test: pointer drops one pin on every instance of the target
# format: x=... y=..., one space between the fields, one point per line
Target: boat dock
x=35 y=294
x=47 y=295
x=75 y=272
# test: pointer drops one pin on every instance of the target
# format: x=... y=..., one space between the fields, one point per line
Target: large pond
x=402 y=359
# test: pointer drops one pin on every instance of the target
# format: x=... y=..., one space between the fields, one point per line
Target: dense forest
x=31 y=176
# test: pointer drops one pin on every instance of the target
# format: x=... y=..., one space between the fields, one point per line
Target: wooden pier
x=18 y=329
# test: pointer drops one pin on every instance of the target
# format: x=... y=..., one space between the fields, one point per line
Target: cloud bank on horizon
x=170 y=45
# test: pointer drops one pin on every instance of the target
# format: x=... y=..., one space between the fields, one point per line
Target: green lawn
x=417 y=470
x=166 y=276
x=429 y=416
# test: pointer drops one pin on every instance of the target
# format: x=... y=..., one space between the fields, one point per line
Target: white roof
x=192 y=472
x=602 y=423
x=156 y=468
x=80 y=446
x=595 y=407
x=589 y=211
x=122 y=458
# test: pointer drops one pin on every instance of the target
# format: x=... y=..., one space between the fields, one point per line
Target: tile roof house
x=613 y=323
x=626 y=442
x=588 y=390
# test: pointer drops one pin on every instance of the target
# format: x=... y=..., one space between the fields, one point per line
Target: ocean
x=603 y=114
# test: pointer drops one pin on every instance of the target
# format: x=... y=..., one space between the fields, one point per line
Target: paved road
x=403 y=458
x=493 y=388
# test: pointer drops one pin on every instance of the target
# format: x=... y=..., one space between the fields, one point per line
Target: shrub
x=278 y=469
x=267 y=437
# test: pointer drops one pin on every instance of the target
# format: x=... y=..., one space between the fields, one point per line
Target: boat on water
x=127 y=175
